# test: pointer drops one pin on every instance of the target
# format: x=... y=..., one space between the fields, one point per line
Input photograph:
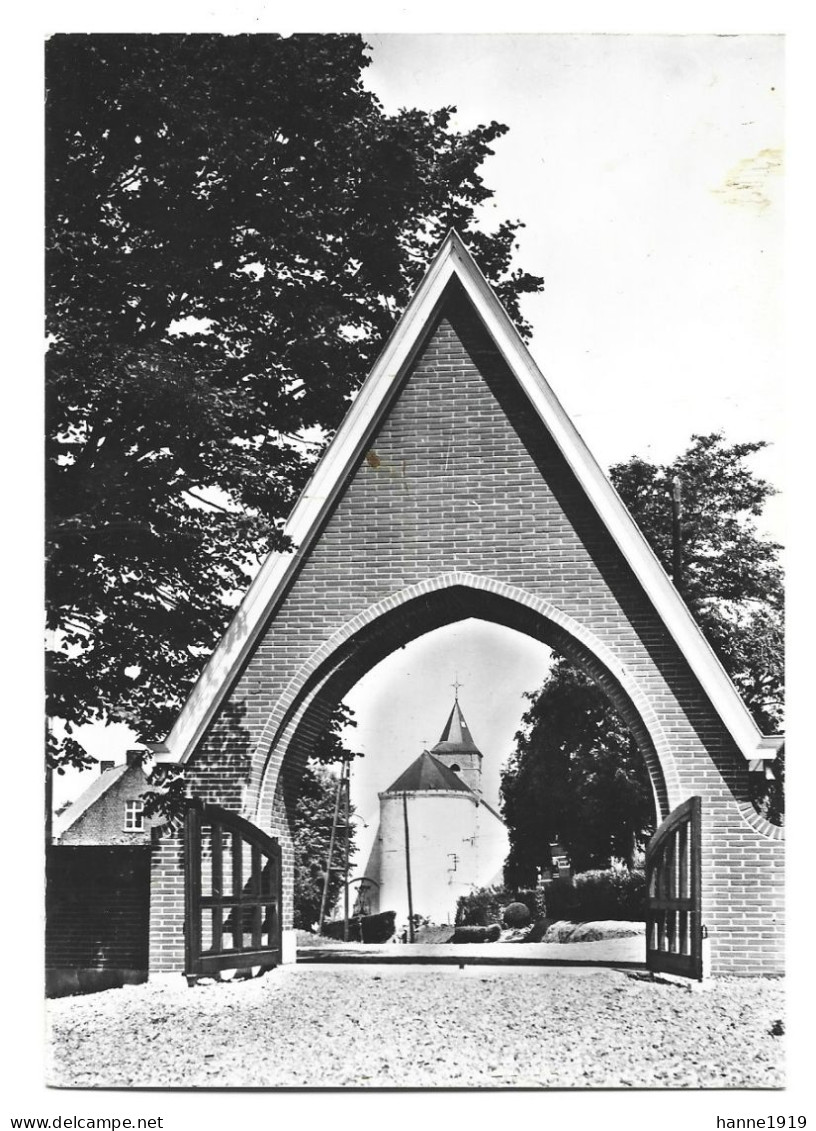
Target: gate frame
x=198 y=963
x=667 y=902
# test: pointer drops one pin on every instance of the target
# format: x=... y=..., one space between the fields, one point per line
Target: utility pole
x=347 y=774
x=677 y=532
x=49 y=804
x=49 y=790
x=408 y=869
x=331 y=851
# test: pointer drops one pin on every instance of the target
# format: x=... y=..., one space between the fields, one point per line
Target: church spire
x=456 y=748
x=455 y=734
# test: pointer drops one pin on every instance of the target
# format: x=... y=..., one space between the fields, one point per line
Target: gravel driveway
x=422 y=1027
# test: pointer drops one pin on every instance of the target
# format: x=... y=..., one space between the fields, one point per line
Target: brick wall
x=97 y=916
x=464 y=506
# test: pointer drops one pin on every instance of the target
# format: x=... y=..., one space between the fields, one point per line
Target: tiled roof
x=98 y=787
x=427 y=773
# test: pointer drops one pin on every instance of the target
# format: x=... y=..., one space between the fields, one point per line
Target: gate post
x=166 y=903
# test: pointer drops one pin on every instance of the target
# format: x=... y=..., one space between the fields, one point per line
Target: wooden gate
x=232 y=893
x=674 y=932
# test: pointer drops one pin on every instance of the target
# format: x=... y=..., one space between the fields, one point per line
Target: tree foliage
x=312 y=824
x=576 y=777
x=233 y=225
x=576 y=773
x=732 y=577
x=313 y=816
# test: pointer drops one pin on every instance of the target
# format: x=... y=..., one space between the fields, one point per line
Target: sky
x=647 y=172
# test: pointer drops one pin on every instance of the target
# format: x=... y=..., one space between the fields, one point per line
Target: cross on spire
x=456 y=685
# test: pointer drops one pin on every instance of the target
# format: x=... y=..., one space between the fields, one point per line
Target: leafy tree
x=314 y=811
x=732 y=578
x=576 y=774
x=312 y=825
x=233 y=225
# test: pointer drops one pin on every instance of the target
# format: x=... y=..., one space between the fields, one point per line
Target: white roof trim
x=350 y=440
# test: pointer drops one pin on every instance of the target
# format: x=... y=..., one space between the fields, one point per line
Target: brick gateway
x=457 y=487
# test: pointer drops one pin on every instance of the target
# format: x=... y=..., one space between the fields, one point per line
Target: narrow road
x=625 y=951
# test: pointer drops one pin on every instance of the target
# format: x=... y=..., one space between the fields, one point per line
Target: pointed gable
x=455 y=404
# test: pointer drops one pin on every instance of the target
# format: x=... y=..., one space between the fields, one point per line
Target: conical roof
x=427 y=773
x=456 y=737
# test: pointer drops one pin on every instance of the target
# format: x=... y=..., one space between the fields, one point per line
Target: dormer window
x=134 y=816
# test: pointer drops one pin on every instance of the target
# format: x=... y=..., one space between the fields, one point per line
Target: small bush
x=477 y=934
x=538 y=930
x=562 y=901
x=363 y=928
x=487 y=905
x=517 y=915
x=533 y=900
x=377 y=928
x=613 y=893
x=478 y=908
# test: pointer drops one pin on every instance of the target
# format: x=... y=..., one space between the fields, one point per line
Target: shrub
x=486 y=905
x=517 y=915
x=377 y=928
x=478 y=908
x=533 y=900
x=333 y=929
x=363 y=928
x=561 y=900
x=614 y=893
x=538 y=930
x=477 y=934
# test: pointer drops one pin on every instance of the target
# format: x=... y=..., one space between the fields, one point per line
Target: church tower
x=457 y=750
x=434 y=815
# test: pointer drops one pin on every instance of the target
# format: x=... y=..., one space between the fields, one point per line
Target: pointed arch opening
x=301 y=714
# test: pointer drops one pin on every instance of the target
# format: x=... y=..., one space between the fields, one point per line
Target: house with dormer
x=111 y=809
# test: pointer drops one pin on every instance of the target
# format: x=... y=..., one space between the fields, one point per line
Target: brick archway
x=304 y=707
x=458 y=487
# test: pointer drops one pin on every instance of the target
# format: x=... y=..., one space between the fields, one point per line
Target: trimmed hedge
x=434 y=934
x=609 y=894
x=477 y=934
x=363 y=928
